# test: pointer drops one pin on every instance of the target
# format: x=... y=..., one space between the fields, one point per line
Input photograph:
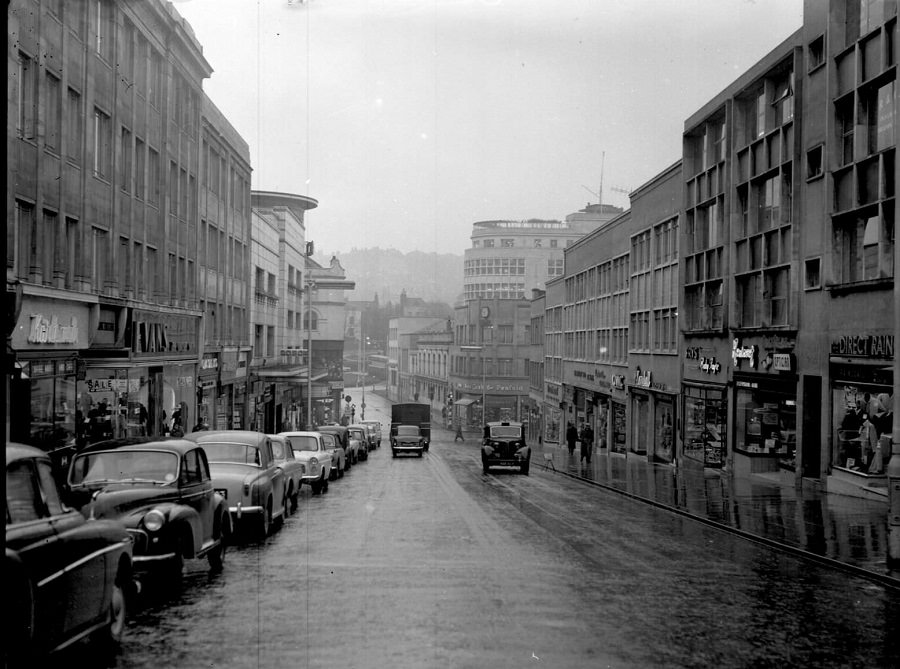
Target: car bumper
x=147 y=549
x=409 y=447
x=239 y=511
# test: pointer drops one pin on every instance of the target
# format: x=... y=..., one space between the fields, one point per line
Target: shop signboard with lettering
x=49 y=325
x=155 y=334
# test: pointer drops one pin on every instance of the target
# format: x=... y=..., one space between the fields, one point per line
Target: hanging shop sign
x=864 y=346
x=782 y=362
x=618 y=381
x=642 y=379
x=155 y=333
x=710 y=365
x=738 y=353
x=49 y=330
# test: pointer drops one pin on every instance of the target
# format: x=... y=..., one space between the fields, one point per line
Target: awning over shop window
x=464 y=402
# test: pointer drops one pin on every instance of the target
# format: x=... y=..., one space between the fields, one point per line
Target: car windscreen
x=278 y=449
x=303 y=443
x=241 y=454
x=112 y=466
x=407 y=431
x=506 y=432
x=358 y=434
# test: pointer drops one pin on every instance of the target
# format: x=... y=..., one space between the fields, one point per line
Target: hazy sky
x=408 y=120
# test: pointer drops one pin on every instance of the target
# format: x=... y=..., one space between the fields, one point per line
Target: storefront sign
x=618 y=381
x=551 y=391
x=781 y=362
x=45 y=330
x=209 y=363
x=642 y=379
x=739 y=353
x=156 y=333
x=864 y=346
x=710 y=365
x=692 y=353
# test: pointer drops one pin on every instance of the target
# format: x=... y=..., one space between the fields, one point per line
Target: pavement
x=839 y=531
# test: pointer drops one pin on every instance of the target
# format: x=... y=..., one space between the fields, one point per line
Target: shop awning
x=464 y=402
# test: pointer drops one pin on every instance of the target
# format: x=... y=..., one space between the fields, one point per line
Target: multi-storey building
x=553 y=406
x=402 y=384
x=536 y=365
x=224 y=277
x=429 y=366
x=105 y=139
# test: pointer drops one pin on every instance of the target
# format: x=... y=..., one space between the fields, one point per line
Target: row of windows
x=655 y=331
x=511 y=290
x=510 y=242
x=501 y=266
x=477 y=366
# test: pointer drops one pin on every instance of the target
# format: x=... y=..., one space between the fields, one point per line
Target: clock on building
x=485 y=312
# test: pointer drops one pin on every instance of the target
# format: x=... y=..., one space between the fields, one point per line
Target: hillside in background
x=434 y=277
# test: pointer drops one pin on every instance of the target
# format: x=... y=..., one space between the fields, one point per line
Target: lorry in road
x=413 y=414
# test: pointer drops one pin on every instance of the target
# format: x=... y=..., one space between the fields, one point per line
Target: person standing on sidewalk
x=459 y=432
x=587 y=442
x=571 y=438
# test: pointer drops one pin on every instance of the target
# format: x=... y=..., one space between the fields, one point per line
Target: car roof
x=299 y=433
x=174 y=444
x=504 y=423
x=332 y=428
x=17 y=451
x=249 y=437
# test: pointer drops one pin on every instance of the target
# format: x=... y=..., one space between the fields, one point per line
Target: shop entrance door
x=812 y=427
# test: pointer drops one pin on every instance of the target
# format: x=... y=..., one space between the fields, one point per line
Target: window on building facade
x=99 y=258
x=102 y=144
x=863 y=247
x=507 y=243
x=814 y=162
x=26 y=120
x=812 y=274
x=74 y=126
x=554 y=243
x=538 y=243
x=71 y=250
x=152 y=176
x=125 y=163
x=783 y=98
x=48 y=250
x=137 y=255
x=53 y=112
x=816 y=52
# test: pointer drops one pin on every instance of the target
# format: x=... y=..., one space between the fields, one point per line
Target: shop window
x=705 y=422
x=862 y=420
x=766 y=424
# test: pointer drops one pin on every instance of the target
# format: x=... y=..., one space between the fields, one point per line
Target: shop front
x=704 y=403
x=862 y=402
x=652 y=416
x=596 y=395
x=207 y=390
x=765 y=405
x=551 y=413
x=503 y=400
x=43 y=394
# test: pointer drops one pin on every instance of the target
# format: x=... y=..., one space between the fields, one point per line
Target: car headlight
x=313 y=462
x=154 y=520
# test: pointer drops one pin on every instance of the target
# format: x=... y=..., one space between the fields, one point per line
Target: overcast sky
x=408 y=120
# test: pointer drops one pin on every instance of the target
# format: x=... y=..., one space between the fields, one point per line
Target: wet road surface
x=426 y=562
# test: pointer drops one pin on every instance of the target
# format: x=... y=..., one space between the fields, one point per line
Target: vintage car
x=162 y=490
x=338 y=456
x=503 y=445
x=350 y=448
x=292 y=467
x=64 y=577
x=375 y=431
x=310 y=449
x=407 y=439
x=359 y=434
x=245 y=473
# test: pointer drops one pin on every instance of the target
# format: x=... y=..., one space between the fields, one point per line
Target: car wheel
x=265 y=521
x=285 y=504
x=20 y=604
x=340 y=472
x=117 y=613
x=216 y=557
x=485 y=468
x=324 y=485
x=316 y=487
x=295 y=499
x=394 y=452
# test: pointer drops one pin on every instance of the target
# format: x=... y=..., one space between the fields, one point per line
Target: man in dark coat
x=587 y=442
x=571 y=438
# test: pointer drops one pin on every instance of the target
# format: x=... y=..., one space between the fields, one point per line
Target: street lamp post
x=483 y=384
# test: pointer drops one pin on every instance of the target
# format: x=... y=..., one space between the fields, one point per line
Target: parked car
x=64 y=577
x=503 y=445
x=359 y=434
x=338 y=455
x=293 y=469
x=245 y=473
x=163 y=492
x=375 y=427
x=407 y=439
x=310 y=449
x=344 y=438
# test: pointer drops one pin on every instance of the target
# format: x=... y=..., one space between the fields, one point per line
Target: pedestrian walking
x=587 y=442
x=459 y=433
x=571 y=438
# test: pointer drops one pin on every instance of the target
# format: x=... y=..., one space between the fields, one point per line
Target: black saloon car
x=162 y=491
x=64 y=577
x=503 y=445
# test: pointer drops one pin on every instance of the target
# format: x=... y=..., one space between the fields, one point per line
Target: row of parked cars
x=132 y=509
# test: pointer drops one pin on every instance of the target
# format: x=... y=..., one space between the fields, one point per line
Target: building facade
x=104 y=133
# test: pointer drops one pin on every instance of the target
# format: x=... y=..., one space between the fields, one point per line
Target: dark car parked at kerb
x=162 y=490
x=64 y=578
